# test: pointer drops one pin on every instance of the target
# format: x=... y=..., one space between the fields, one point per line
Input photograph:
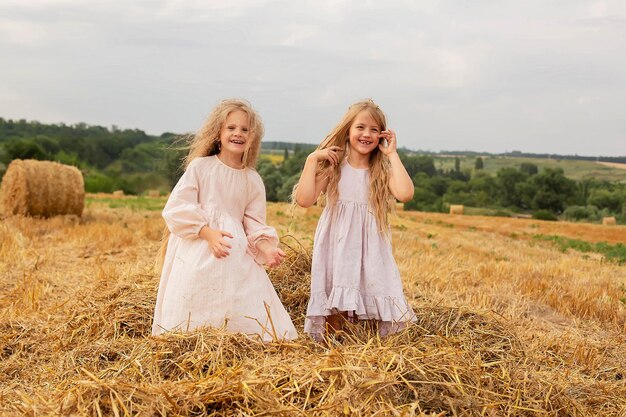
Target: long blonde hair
x=380 y=198
x=206 y=142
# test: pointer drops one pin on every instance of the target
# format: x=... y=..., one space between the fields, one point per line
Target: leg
x=334 y=322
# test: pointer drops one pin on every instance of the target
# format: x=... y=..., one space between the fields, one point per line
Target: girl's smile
x=364 y=134
x=234 y=138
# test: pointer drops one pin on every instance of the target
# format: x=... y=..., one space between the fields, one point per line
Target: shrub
x=95 y=182
x=424 y=200
x=285 y=190
x=577 y=213
x=544 y=215
x=602 y=198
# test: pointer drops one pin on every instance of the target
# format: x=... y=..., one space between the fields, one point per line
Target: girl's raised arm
x=310 y=185
x=400 y=183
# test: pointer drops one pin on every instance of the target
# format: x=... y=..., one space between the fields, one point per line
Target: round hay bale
x=153 y=193
x=118 y=194
x=609 y=221
x=456 y=209
x=42 y=188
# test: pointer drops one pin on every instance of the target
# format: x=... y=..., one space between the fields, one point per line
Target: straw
x=76 y=305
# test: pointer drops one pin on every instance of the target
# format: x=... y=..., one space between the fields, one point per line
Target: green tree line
x=525 y=189
x=110 y=158
x=133 y=161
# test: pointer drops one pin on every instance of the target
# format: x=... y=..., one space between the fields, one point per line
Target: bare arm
x=310 y=186
x=400 y=183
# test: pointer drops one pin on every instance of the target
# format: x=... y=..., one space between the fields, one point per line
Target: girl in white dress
x=354 y=275
x=212 y=273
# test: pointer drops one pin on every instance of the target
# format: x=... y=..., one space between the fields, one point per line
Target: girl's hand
x=330 y=154
x=392 y=143
x=274 y=256
x=217 y=244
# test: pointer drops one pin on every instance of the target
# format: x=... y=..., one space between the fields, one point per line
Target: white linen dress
x=353 y=268
x=196 y=288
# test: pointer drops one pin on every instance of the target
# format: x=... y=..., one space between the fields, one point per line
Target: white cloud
x=298 y=34
x=21 y=33
x=206 y=10
x=598 y=9
x=534 y=76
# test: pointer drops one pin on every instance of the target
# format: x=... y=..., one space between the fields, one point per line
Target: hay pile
x=98 y=359
x=292 y=279
x=86 y=349
x=456 y=209
x=42 y=188
x=609 y=221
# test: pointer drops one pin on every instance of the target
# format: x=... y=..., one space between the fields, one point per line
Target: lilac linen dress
x=196 y=288
x=353 y=267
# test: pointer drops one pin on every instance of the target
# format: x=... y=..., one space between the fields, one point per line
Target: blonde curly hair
x=206 y=141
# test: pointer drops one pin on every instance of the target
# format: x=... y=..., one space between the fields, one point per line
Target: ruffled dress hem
x=393 y=313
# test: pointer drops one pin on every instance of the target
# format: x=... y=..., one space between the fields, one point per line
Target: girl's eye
x=245 y=129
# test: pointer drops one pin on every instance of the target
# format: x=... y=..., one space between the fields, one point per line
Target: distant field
x=613 y=164
x=275 y=159
x=131 y=202
x=575 y=169
x=276 y=156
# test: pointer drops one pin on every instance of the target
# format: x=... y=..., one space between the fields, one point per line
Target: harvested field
x=507 y=325
x=613 y=164
x=517 y=227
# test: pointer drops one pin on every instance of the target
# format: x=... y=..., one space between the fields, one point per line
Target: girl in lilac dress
x=354 y=275
x=212 y=273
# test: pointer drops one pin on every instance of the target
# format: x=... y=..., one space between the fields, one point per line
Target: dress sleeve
x=255 y=217
x=183 y=213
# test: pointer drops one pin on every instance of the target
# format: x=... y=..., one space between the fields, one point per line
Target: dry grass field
x=508 y=324
x=613 y=164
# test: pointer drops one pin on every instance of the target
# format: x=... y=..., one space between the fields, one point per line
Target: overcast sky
x=495 y=76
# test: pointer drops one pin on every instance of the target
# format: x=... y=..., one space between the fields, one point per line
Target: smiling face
x=364 y=133
x=234 y=134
